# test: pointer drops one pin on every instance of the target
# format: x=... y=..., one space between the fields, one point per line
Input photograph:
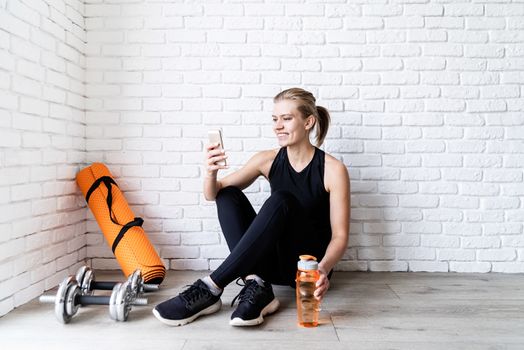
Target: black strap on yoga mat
x=109 y=182
x=136 y=222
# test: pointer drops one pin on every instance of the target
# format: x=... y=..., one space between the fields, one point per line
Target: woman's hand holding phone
x=216 y=157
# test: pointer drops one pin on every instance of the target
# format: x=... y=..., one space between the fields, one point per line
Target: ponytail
x=323 y=120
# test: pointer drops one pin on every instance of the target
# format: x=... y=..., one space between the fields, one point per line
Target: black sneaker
x=254 y=303
x=195 y=301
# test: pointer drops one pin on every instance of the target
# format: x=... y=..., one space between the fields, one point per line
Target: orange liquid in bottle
x=308 y=306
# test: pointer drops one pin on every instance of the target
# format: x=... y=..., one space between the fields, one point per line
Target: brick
x=484 y=216
x=319 y=23
x=499 y=229
x=418 y=201
x=484 y=23
x=468 y=267
x=397 y=188
x=503 y=254
x=354 y=37
x=104 y=264
x=481 y=242
x=376 y=253
x=484 y=51
x=466 y=146
x=405 y=107
x=460 y=92
x=401 y=241
x=11 y=24
x=10 y=138
x=378 y=201
x=387 y=266
x=304 y=10
x=180 y=252
x=384 y=147
x=512 y=267
x=456 y=255
x=443 y=50
x=428 y=266
x=442 y=241
x=303 y=65
x=12 y=248
x=266 y=37
x=445 y=22
x=486 y=106
x=490 y=92
x=364 y=241
x=189 y=264
x=382 y=228
x=461 y=175
x=275 y=78
x=499 y=175
x=423 y=10
x=417 y=253
x=495 y=10
x=9 y=287
x=363 y=23
x=401 y=50
x=352 y=265
x=500 y=203
x=400 y=78
x=25 y=192
x=401 y=214
x=342 y=10
x=219 y=252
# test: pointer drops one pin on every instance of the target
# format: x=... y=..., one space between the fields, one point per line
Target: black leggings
x=267 y=244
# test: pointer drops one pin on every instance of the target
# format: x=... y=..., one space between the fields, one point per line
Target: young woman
x=307 y=213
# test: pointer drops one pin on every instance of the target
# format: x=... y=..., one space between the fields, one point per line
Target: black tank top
x=308 y=187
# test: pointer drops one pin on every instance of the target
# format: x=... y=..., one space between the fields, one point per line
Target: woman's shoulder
x=335 y=171
x=333 y=163
x=267 y=155
x=264 y=160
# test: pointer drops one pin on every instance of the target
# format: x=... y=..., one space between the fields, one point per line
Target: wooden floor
x=422 y=311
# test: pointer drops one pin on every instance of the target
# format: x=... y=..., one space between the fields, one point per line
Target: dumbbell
x=68 y=300
x=86 y=280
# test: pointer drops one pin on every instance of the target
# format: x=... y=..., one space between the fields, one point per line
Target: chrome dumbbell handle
x=91 y=300
x=105 y=285
x=86 y=279
x=148 y=287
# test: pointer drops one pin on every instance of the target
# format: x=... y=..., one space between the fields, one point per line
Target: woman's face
x=288 y=124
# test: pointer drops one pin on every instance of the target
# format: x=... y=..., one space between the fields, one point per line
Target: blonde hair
x=306 y=106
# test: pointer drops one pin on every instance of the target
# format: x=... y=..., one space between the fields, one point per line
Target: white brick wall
x=426 y=101
x=42 y=146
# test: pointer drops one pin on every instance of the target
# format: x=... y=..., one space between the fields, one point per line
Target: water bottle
x=307 y=305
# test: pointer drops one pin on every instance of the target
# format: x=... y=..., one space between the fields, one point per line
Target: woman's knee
x=229 y=193
x=282 y=196
x=282 y=200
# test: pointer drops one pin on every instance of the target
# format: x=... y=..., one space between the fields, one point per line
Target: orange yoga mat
x=122 y=230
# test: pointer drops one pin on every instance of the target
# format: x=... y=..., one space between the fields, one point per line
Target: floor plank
x=429 y=311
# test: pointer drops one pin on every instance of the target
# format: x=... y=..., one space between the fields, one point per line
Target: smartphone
x=215 y=136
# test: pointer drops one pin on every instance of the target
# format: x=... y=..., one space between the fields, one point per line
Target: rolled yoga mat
x=122 y=230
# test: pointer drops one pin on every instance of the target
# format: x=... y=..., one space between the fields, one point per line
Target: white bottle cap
x=307 y=262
